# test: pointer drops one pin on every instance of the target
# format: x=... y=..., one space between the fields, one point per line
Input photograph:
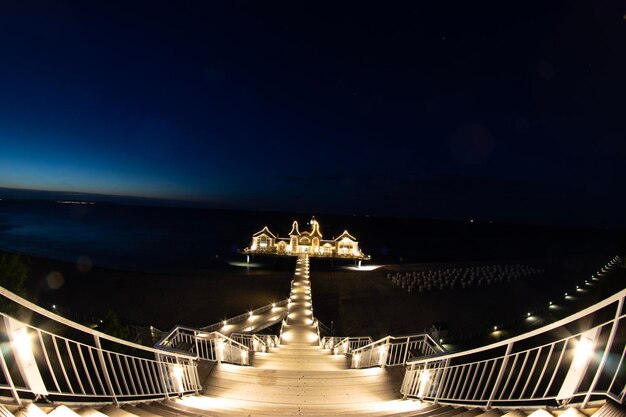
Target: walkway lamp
x=583 y=354
x=21 y=345
x=176 y=374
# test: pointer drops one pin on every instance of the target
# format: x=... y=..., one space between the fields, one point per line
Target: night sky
x=504 y=111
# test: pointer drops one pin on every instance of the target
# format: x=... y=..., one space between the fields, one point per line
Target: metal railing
x=256 y=342
x=212 y=346
x=395 y=351
x=243 y=317
x=578 y=358
x=41 y=363
x=344 y=345
x=324 y=329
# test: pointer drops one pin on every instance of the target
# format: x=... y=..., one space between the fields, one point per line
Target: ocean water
x=121 y=237
x=185 y=239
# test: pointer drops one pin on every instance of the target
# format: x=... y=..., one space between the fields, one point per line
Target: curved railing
x=344 y=345
x=37 y=361
x=243 y=317
x=395 y=351
x=256 y=342
x=578 y=358
x=324 y=328
x=212 y=346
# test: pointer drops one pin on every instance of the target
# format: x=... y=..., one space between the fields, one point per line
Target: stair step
x=156 y=410
x=572 y=412
x=491 y=413
x=515 y=413
x=113 y=411
x=89 y=412
x=237 y=408
x=170 y=406
x=31 y=410
x=540 y=413
x=470 y=413
x=62 y=411
x=138 y=411
x=610 y=409
x=4 y=412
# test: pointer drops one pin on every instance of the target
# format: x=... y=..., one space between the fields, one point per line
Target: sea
x=167 y=239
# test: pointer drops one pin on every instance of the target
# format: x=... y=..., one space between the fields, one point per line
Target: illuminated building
x=311 y=242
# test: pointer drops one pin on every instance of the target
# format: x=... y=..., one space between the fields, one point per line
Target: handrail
x=245 y=316
x=401 y=338
x=317 y=328
x=256 y=342
x=560 y=323
x=344 y=345
x=38 y=362
x=573 y=367
x=324 y=328
x=394 y=350
x=201 y=333
x=210 y=346
x=60 y=319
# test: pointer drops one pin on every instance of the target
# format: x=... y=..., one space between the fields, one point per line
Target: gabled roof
x=345 y=234
x=316 y=230
x=294 y=229
x=264 y=231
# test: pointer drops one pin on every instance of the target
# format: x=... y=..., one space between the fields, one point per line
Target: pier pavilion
x=574 y=367
x=311 y=242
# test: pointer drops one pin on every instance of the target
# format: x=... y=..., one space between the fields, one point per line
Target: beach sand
x=357 y=303
x=161 y=300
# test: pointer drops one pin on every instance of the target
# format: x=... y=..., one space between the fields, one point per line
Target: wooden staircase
x=201 y=405
x=297 y=378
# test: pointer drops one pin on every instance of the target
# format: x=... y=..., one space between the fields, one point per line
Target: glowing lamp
x=584 y=351
x=176 y=374
x=220 y=350
x=22 y=348
x=583 y=354
x=425 y=381
x=381 y=354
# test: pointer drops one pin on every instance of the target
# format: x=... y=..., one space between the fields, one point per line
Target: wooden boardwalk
x=299 y=377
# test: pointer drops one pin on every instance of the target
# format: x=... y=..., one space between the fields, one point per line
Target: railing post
x=195 y=340
x=406 y=349
x=443 y=377
x=405 y=395
x=107 y=378
x=383 y=360
x=162 y=374
x=607 y=349
x=505 y=361
x=7 y=375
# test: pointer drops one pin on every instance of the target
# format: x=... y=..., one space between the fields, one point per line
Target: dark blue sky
x=507 y=112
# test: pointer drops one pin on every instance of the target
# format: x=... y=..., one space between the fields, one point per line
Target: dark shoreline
x=357 y=303
x=159 y=299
